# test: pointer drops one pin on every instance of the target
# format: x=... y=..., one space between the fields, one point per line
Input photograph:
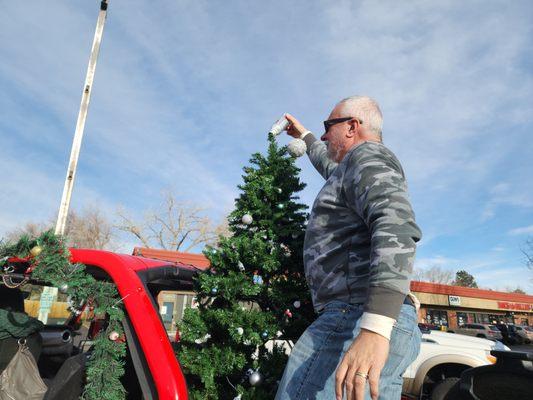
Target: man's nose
x=324 y=137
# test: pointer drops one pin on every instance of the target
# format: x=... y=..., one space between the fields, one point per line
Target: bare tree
x=518 y=290
x=435 y=274
x=88 y=229
x=174 y=226
x=30 y=228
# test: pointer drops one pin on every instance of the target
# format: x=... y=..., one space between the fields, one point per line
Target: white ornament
x=239 y=397
x=240 y=331
x=63 y=288
x=297 y=147
x=114 y=336
x=279 y=333
x=297 y=304
x=279 y=190
x=255 y=378
x=247 y=219
x=241 y=266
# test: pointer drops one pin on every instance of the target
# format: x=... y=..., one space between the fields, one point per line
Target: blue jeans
x=310 y=371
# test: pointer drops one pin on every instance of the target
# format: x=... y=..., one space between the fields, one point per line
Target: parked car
x=529 y=331
x=509 y=333
x=443 y=357
x=526 y=335
x=423 y=326
x=485 y=331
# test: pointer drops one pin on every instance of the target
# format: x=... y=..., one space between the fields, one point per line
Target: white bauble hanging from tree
x=297 y=147
x=247 y=219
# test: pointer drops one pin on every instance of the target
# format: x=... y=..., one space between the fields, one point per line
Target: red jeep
x=152 y=370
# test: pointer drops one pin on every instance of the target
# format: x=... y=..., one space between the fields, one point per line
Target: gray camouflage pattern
x=361 y=236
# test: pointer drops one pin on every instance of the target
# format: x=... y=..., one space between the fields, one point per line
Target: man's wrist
x=376 y=323
x=304 y=134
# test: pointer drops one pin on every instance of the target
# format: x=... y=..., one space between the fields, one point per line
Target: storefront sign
x=515 y=306
x=454 y=300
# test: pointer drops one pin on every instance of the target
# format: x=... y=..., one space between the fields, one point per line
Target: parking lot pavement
x=522 y=347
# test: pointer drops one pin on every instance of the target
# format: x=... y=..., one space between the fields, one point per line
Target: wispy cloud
x=526 y=230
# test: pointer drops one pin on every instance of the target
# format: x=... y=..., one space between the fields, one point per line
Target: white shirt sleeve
x=379 y=324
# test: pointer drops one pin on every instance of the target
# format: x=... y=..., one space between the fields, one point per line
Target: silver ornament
x=247 y=219
x=297 y=304
x=255 y=378
x=241 y=266
x=239 y=397
x=63 y=288
x=297 y=147
x=264 y=335
x=279 y=190
x=281 y=206
x=240 y=331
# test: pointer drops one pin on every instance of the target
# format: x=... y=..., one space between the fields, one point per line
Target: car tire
x=442 y=388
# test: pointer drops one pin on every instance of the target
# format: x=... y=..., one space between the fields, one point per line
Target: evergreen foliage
x=463 y=278
x=254 y=296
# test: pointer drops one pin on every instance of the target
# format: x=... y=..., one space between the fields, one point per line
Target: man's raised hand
x=295 y=129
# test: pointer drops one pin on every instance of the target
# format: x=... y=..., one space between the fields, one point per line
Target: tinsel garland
x=48 y=260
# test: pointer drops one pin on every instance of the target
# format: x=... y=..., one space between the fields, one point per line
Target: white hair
x=365 y=109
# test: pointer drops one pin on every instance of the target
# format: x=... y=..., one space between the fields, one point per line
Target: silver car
x=525 y=332
x=485 y=331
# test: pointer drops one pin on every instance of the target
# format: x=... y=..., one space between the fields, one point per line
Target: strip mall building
x=441 y=305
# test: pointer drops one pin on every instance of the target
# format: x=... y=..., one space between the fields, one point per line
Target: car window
x=518 y=328
x=47 y=304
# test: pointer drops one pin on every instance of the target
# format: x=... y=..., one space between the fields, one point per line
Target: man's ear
x=352 y=130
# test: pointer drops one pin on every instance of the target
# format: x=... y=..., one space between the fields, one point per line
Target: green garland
x=48 y=259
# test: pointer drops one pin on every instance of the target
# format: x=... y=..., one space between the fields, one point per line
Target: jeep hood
x=457 y=340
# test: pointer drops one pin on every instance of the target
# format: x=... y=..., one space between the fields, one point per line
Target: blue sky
x=186 y=90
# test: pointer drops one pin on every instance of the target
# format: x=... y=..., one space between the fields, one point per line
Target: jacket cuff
x=379 y=324
x=309 y=139
x=384 y=301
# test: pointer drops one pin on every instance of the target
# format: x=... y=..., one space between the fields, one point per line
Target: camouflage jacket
x=360 y=239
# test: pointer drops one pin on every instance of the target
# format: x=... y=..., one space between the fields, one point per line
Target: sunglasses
x=330 y=122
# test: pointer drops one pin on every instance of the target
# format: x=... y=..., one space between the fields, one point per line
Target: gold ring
x=362 y=375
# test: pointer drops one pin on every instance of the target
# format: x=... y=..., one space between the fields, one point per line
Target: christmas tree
x=254 y=298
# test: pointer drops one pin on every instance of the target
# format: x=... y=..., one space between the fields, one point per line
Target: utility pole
x=80 y=124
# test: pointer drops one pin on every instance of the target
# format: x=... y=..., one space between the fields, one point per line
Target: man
x=358 y=254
